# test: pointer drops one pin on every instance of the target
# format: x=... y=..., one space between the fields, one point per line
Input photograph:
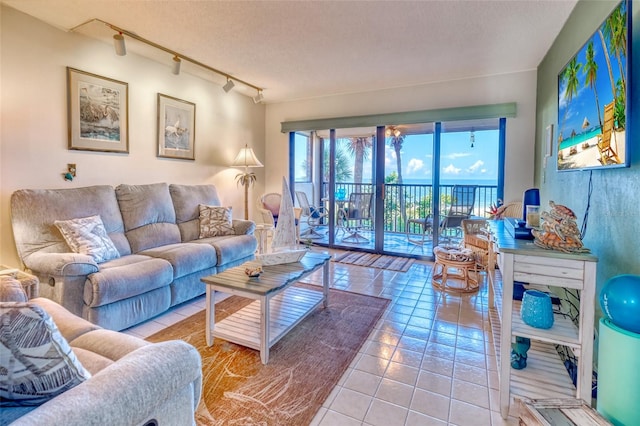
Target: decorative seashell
x=253 y=272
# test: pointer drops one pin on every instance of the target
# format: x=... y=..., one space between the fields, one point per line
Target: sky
x=571 y=114
x=458 y=160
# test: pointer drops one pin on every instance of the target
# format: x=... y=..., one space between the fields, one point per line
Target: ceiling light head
x=228 y=86
x=118 y=43
x=473 y=138
x=175 y=68
x=258 y=98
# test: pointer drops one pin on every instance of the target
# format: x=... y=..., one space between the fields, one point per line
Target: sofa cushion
x=148 y=215
x=231 y=248
x=186 y=202
x=215 y=221
x=38 y=363
x=126 y=277
x=185 y=258
x=33 y=212
x=87 y=235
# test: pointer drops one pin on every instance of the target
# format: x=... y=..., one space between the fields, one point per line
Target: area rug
x=393 y=263
x=303 y=367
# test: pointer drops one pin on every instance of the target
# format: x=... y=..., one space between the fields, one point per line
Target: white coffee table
x=278 y=306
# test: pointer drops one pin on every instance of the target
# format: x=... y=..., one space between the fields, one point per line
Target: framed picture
x=176 y=128
x=593 y=90
x=98 y=111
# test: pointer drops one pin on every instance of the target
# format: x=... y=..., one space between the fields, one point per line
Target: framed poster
x=98 y=110
x=593 y=90
x=176 y=128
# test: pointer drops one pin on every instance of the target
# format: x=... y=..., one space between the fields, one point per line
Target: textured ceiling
x=304 y=49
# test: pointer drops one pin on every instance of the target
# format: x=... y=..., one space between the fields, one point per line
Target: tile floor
x=429 y=360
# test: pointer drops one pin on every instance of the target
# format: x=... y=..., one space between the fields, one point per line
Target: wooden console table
x=545 y=375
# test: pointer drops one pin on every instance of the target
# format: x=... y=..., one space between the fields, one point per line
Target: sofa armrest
x=61 y=264
x=131 y=391
x=243 y=227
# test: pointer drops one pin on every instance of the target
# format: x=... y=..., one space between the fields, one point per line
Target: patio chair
x=312 y=215
x=607 y=154
x=462 y=201
x=358 y=211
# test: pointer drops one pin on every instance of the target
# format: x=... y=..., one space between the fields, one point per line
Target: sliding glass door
x=394 y=189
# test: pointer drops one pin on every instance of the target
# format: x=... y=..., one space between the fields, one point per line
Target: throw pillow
x=37 y=362
x=87 y=235
x=215 y=221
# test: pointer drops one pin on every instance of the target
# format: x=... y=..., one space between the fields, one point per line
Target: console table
x=545 y=375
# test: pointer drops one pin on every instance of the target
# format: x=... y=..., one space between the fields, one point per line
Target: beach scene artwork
x=592 y=91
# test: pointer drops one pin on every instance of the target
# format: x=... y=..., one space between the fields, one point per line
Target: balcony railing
x=417 y=201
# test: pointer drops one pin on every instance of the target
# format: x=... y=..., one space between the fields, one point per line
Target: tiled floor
x=429 y=360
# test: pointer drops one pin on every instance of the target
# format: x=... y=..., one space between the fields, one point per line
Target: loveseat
x=58 y=369
x=148 y=251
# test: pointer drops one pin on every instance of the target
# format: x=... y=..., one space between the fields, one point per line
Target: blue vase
x=536 y=309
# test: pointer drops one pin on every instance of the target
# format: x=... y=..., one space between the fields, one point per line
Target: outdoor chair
x=357 y=213
x=463 y=198
x=607 y=154
x=312 y=215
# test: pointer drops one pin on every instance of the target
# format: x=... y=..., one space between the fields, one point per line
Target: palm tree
x=396 y=143
x=608 y=60
x=343 y=171
x=615 y=32
x=591 y=71
x=570 y=77
x=359 y=147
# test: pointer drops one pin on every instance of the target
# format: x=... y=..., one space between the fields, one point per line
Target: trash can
x=618 y=374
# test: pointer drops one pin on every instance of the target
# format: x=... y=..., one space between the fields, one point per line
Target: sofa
x=123 y=380
x=145 y=244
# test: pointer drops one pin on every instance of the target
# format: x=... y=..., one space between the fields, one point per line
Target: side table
x=30 y=283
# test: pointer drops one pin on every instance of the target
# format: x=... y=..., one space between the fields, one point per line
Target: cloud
x=455 y=155
x=451 y=170
x=475 y=166
x=414 y=165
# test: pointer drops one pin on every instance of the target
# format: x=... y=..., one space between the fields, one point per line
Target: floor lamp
x=246 y=158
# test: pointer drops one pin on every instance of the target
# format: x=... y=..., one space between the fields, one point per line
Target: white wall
x=519 y=88
x=33 y=127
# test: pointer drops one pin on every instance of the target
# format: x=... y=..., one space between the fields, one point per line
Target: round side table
x=454 y=263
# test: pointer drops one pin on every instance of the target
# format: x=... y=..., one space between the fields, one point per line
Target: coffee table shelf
x=287 y=309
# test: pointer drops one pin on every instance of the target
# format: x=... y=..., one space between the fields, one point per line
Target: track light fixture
x=118 y=43
x=228 y=86
x=176 y=65
x=118 y=40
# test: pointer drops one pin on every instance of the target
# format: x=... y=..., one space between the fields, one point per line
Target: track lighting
x=118 y=43
x=228 y=86
x=176 y=65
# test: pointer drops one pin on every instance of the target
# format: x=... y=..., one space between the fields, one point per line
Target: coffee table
x=278 y=306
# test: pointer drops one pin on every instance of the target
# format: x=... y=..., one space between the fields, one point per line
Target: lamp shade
x=246 y=158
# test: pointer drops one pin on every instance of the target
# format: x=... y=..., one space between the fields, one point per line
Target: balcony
x=402 y=202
